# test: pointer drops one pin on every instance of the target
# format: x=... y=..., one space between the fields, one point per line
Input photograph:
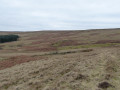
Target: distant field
x=61 y=60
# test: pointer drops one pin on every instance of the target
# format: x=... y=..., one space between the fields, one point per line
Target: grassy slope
x=92 y=58
x=50 y=41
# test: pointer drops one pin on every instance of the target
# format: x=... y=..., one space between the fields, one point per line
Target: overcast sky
x=27 y=15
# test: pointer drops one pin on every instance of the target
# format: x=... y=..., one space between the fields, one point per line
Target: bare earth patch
x=107 y=41
x=17 y=60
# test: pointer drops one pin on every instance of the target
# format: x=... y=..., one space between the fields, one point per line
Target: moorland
x=61 y=60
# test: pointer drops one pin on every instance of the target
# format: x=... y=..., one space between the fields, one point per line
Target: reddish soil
x=69 y=43
x=114 y=34
x=18 y=60
x=107 y=41
x=94 y=34
x=37 y=42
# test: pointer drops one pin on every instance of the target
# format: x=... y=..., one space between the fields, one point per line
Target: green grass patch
x=1 y=58
x=87 y=46
x=57 y=44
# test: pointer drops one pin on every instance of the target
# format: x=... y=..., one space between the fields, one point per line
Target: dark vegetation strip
x=67 y=52
x=8 y=38
x=12 y=61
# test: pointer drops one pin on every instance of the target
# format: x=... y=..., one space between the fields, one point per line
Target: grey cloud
x=25 y=15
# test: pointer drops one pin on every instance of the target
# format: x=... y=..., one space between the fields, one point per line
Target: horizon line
x=58 y=30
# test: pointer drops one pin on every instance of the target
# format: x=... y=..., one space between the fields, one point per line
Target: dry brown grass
x=16 y=60
x=33 y=63
x=75 y=71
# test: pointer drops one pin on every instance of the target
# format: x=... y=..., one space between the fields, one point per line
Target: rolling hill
x=61 y=60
